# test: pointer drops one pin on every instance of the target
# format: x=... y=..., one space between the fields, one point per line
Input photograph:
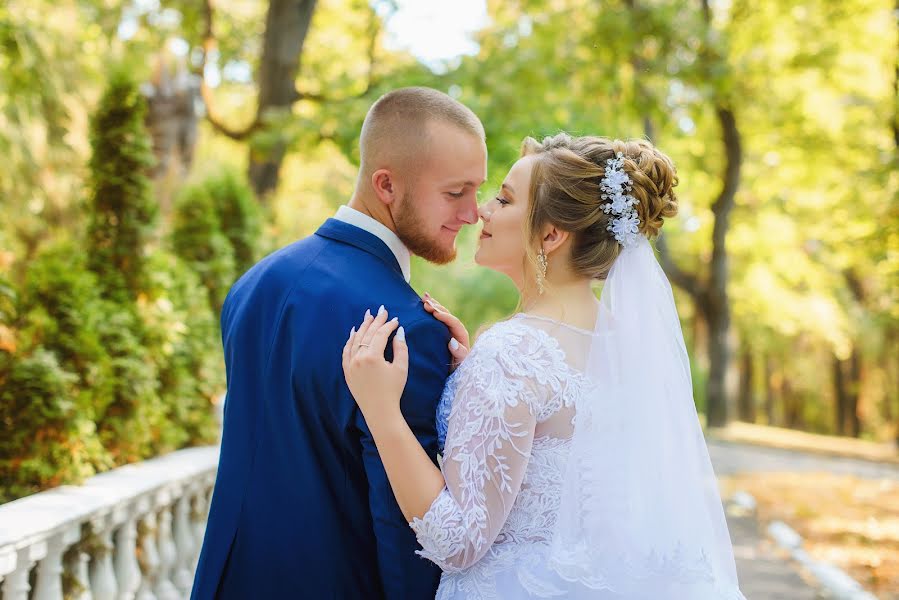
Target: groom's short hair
x=394 y=130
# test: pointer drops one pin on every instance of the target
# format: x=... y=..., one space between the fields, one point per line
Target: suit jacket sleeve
x=403 y=573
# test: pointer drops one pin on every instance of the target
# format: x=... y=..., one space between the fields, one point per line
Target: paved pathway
x=765 y=572
x=733 y=457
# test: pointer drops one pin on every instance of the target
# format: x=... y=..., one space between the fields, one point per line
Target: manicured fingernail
x=368 y=314
x=401 y=334
x=431 y=302
x=454 y=344
x=381 y=310
x=394 y=319
x=353 y=331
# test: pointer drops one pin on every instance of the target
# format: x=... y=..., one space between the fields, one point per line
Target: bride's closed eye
x=502 y=201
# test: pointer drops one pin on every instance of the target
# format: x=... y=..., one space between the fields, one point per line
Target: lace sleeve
x=490 y=432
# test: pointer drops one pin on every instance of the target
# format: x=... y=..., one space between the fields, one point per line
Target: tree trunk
x=710 y=295
x=769 y=392
x=746 y=398
x=286 y=26
x=792 y=406
x=847 y=385
x=855 y=381
x=895 y=127
x=171 y=120
x=887 y=411
x=896 y=355
x=895 y=123
x=719 y=308
x=840 y=400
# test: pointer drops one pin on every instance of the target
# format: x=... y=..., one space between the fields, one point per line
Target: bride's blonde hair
x=565 y=191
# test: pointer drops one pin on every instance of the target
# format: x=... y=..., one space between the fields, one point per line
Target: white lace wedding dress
x=506 y=418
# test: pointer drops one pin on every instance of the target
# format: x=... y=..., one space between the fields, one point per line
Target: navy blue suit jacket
x=302 y=507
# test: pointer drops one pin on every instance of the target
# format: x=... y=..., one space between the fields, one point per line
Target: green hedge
x=216 y=231
x=109 y=346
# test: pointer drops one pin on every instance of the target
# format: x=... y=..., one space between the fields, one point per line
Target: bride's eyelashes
x=502 y=201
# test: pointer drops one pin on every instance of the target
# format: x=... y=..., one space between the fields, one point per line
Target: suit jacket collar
x=358 y=237
x=369 y=224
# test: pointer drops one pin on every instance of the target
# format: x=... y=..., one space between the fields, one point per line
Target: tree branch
x=685 y=281
x=374 y=30
x=896 y=96
x=734 y=157
x=209 y=44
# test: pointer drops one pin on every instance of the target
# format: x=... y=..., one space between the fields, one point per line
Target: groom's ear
x=553 y=237
x=383 y=183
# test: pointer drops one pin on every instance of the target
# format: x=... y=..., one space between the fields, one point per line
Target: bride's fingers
x=379 y=339
x=445 y=317
x=348 y=348
x=400 y=351
x=452 y=322
x=458 y=350
x=435 y=302
x=429 y=300
x=363 y=328
x=379 y=320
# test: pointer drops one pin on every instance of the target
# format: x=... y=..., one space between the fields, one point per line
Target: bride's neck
x=571 y=301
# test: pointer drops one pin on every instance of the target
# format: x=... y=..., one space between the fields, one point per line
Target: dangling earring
x=541 y=270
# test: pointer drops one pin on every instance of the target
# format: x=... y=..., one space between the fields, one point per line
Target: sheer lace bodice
x=505 y=419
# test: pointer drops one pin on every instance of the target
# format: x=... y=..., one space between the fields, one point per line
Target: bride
x=573 y=462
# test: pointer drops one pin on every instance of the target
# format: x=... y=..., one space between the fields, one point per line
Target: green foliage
x=62 y=311
x=93 y=383
x=43 y=69
x=198 y=239
x=109 y=346
x=183 y=339
x=8 y=299
x=122 y=208
x=216 y=230
x=239 y=215
x=130 y=417
x=44 y=440
x=100 y=342
x=109 y=356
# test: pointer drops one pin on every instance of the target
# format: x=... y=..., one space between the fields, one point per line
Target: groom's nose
x=468 y=212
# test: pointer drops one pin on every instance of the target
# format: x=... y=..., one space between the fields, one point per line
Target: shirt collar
x=364 y=222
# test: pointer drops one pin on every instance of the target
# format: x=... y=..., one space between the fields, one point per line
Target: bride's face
x=502 y=246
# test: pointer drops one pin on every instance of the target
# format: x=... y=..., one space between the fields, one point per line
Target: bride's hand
x=460 y=344
x=376 y=384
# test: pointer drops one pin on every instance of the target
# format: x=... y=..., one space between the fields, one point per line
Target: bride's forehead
x=519 y=175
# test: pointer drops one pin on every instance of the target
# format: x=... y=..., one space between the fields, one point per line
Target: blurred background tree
x=784 y=127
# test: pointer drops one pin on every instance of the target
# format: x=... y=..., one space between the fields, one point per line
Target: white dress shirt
x=363 y=221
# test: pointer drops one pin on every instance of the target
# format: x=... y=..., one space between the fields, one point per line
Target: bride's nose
x=484 y=211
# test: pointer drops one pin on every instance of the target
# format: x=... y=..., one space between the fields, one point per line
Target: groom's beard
x=410 y=228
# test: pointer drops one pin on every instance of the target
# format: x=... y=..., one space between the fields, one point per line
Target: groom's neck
x=374 y=209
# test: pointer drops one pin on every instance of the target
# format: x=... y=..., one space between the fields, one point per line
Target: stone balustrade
x=132 y=533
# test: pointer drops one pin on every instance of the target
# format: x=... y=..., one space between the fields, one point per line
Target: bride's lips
x=485 y=235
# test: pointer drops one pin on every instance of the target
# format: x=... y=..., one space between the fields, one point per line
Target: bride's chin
x=483 y=261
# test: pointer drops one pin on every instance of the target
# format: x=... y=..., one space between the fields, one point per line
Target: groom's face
x=441 y=197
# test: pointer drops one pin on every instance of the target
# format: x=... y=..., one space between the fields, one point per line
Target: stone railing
x=131 y=533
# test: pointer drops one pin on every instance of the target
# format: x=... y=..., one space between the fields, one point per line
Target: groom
x=302 y=507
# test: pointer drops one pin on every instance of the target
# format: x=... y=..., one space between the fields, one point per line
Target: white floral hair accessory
x=616 y=186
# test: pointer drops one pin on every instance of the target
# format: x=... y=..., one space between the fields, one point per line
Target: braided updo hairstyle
x=565 y=191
